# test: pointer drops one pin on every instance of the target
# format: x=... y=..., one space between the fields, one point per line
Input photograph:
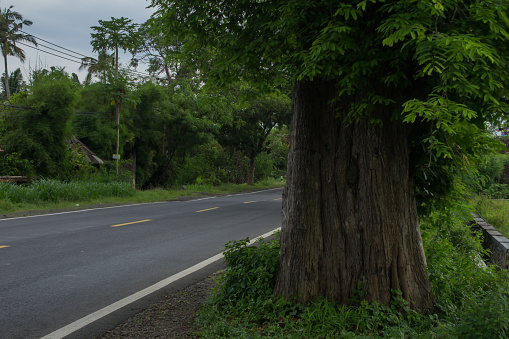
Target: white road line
x=80 y=323
x=128 y=205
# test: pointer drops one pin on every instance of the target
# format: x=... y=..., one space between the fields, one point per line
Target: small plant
x=497 y=191
x=250 y=273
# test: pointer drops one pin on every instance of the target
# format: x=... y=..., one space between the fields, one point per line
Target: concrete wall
x=495 y=242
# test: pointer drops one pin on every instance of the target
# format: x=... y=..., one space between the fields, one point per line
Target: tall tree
x=159 y=50
x=252 y=122
x=100 y=66
x=384 y=91
x=115 y=34
x=40 y=134
x=11 y=24
x=15 y=82
x=167 y=124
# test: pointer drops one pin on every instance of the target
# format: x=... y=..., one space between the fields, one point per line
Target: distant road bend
x=83 y=272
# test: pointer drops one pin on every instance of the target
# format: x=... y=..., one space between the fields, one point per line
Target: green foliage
x=486 y=317
x=440 y=66
x=492 y=167
x=485 y=175
x=78 y=167
x=210 y=163
x=215 y=165
x=114 y=34
x=497 y=191
x=178 y=119
x=13 y=164
x=250 y=274
x=495 y=212
x=15 y=82
x=49 y=190
x=39 y=132
x=95 y=126
x=465 y=291
x=254 y=116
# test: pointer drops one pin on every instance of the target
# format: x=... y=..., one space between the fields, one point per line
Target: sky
x=67 y=23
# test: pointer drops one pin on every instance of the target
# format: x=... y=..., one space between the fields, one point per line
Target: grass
x=52 y=194
x=495 y=212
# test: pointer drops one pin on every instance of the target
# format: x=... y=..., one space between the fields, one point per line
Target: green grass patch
x=52 y=194
x=495 y=212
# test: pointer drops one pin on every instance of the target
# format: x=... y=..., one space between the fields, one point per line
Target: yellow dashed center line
x=249 y=202
x=279 y=199
x=207 y=209
x=130 y=223
x=4 y=246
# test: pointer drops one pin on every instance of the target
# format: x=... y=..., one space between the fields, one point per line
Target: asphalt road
x=55 y=269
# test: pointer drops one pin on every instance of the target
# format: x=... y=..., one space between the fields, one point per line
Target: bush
x=250 y=274
x=497 y=191
x=14 y=165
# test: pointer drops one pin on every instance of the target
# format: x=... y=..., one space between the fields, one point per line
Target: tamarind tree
x=387 y=96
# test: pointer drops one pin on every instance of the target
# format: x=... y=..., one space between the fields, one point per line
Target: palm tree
x=11 y=23
x=100 y=66
x=15 y=82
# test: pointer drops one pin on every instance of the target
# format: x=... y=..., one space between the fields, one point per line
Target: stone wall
x=495 y=242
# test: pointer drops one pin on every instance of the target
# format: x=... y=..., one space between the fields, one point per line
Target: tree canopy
x=449 y=56
x=389 y=97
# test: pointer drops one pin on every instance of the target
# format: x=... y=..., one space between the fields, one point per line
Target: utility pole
x=117 y=106
x=115 y=34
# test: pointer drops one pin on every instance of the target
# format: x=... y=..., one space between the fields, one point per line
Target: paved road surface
x=55 y=269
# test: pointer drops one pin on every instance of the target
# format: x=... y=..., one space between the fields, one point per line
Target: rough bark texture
x=348 y=211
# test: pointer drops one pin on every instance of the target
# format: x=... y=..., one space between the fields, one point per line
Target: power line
x=56 y=50
x=135 y=72
x=55 y=44
x=58 y=56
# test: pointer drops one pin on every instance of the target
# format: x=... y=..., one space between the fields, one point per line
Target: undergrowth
x=472 y=301
x=98 y=189
x=50 y=190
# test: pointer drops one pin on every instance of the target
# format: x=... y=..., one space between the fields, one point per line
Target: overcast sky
x=67 y=23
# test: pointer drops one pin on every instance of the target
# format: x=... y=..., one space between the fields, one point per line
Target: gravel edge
x=171 y=317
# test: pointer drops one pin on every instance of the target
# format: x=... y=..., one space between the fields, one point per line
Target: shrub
x=497 y=191
x=250 y=274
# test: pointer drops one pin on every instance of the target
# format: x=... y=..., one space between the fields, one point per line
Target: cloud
x=67 y=23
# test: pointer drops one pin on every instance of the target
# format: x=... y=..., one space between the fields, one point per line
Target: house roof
x=90 y=157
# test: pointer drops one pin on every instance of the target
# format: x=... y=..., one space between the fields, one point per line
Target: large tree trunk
x=349 y=215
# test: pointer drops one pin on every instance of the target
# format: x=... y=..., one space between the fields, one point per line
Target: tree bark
x=349 y=215
x=6 y=80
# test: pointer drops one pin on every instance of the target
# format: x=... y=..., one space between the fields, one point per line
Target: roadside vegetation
x=492 y=190
x=472 y=301
x=50 y=194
